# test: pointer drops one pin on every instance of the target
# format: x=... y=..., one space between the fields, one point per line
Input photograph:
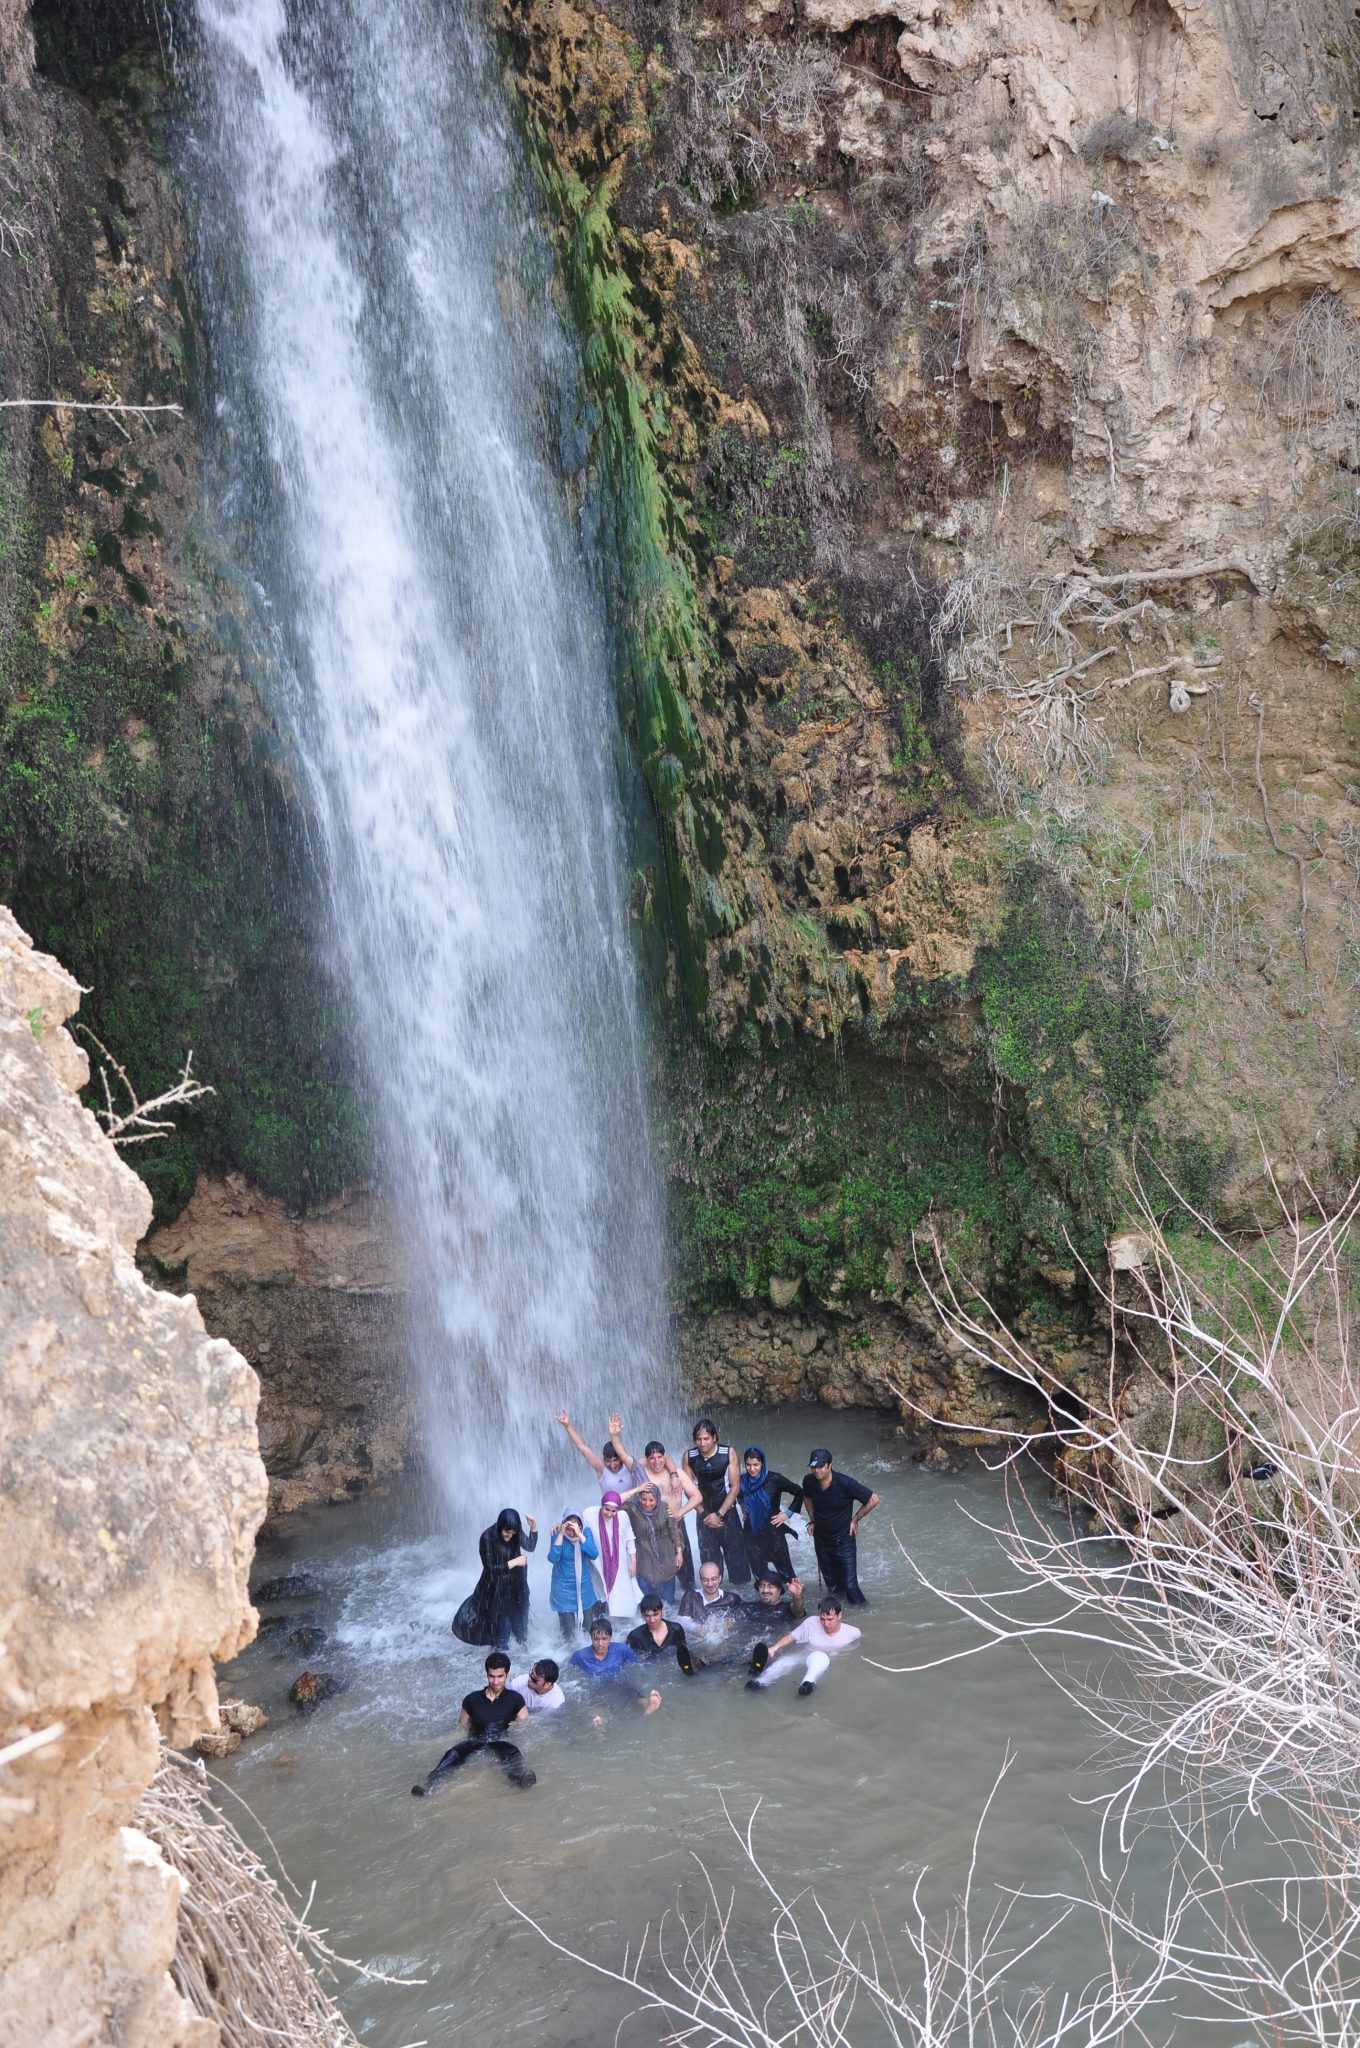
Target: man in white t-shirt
x=823 y=1635
x=539 y=1687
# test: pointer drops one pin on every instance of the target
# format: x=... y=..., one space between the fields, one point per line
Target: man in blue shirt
x=607 y=1661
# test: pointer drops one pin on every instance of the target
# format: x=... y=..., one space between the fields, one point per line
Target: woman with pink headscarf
x=615 y=1569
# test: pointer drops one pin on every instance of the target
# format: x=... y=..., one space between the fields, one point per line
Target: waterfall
x=395 y=390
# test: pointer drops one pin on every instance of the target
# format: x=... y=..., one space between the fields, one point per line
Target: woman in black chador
x=497 y=1608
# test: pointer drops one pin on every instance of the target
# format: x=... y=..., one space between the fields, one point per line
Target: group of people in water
x=663 y=1535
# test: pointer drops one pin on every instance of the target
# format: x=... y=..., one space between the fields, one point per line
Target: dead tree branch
x=140 y=1122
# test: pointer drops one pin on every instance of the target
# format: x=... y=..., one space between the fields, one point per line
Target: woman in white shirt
x=615 y=1570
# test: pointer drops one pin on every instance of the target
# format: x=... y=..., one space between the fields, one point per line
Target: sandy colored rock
x=315 y=1303
x=130 y=1491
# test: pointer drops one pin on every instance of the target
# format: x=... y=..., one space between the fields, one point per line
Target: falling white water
x=392 y=372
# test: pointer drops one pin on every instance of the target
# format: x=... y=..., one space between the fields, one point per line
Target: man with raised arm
x=613 y=1471
x=836 y=1504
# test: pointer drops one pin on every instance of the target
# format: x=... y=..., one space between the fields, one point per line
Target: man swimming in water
x=539 y=1688
x=771 y=1604
x=485 y=1716
x=607 y=1661
x=823 y=1635
x=655 y=1636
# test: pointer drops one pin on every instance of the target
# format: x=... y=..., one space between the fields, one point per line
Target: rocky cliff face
x=997 y=372
x=130 y=1491
x=315 y=1302
x=973 y=391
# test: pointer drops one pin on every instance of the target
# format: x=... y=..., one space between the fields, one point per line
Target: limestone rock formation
x=130 y=1491
x=315 y=1303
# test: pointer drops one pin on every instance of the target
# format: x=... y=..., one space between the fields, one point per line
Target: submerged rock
x=308 y=1638
x=291 y=1586
x=275 y=1624
x=311 y=1688
x=243 y=1717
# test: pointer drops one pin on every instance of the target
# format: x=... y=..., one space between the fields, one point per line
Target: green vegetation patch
x=823 y=1169
x=668 y=651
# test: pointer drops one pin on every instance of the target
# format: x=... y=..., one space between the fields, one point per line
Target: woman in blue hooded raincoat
x=571 y=1590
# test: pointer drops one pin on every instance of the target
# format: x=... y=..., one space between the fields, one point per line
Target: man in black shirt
x=836 y=1504
x=770 y=1608
x=485 y=1716
x=655 y=1636
x=713 y=1468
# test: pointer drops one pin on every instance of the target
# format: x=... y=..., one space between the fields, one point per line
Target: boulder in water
x=308 y=1638
x=310 y=1688
x=292 y=1586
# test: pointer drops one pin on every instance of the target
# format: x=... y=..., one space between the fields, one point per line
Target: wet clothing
x=617 y=1659
x=498 y=1606
x=620 y=1481
x=538 y=1702
x=571 y=1590
x=614 y=1587
x=505 y=1753
x=656 y=1541
x=725 y=1546
x=491 y=1717
x=643 y=1643
x=760 y=1499
x=694 y=1607
x=782 y=1616
x=831 y=1509
x=816 y=1648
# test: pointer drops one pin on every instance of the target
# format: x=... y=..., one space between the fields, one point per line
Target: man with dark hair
x=713 y=1468
x=608 y=1661
x=836 y=1504
x=823 y=1635
x=774 y=1602
x=608 y=1466
x=485 y=1715
x=539 y=1688
x=655 y=1636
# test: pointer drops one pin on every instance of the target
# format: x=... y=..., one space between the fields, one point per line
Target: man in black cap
x=774 y=1603
x=836 y=1504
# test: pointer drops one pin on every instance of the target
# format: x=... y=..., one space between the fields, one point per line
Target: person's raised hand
x=564 y=1419
x=616 y=1425
x=530 y=1520
x=796 y=1588
x=557 y=1528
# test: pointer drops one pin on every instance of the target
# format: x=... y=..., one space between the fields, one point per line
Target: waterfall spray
x=393 y=382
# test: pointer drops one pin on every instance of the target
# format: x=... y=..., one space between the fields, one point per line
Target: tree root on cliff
x=245 y=1957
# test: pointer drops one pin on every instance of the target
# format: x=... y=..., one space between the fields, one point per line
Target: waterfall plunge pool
x=858 y=1787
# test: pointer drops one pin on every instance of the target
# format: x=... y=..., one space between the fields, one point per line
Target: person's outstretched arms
x=592 y=1458
x=616 y=1438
